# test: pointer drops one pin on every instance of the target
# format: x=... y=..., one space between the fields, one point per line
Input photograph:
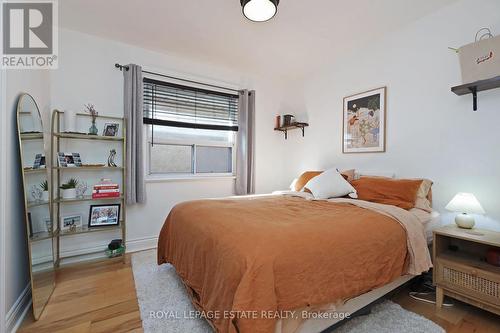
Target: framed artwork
x=69 y=160
x=39 y=161
x=110 y=129
x=71 y=222
x=364 y=122
x=104 y=215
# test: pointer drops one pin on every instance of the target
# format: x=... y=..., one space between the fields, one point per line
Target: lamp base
x=464 y=221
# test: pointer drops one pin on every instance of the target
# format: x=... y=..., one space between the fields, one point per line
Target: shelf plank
x=31 y=170
x=40 y=236
x=88 y=168
x=87 y=198
x=99 y=116
x=77 y=136
x=31 y=136
x=482 y=85
x=291 y=126
x=37 y=203
x=87 y=230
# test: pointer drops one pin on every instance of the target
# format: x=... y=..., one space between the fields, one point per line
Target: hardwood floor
x=101 y=297
x=96 y=297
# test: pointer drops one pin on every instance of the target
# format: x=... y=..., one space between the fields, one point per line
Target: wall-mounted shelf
x=474 y=87
x=292 y=126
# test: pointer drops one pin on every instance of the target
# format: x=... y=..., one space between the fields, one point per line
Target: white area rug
x=166 y=308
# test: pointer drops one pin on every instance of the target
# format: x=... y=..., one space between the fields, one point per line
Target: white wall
x=431 y=132
x=87 y=74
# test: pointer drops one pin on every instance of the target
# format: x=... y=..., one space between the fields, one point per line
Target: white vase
x=45 y=196
x=69 y=193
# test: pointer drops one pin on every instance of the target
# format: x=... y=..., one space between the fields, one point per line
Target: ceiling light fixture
x=259 y=10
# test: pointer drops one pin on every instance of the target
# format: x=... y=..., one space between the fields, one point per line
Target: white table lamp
x=465 y=203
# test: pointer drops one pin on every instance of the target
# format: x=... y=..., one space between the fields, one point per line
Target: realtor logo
x=29 y=35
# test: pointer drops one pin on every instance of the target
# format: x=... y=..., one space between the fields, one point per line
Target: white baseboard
x=16 y=314
x=141 y=244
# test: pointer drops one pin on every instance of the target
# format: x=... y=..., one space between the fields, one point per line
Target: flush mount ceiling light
x=259 y=10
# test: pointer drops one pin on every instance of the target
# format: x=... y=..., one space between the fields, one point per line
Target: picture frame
x=110 y=129
x=69 y=160
x=364 y=122
x=71 y=221
x=39 y=162
x=105 y=215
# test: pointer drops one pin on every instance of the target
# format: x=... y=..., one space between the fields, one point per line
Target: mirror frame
x=22 y=96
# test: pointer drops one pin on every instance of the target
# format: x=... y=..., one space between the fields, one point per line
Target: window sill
x=186 y=178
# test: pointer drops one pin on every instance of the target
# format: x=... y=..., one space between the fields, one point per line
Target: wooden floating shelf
x=474 y=87
x=89 y=168
x=292 y=126
x=87 y=230
x=31 y=170
x=32 y=204
x=31 y=136
x=87 y=137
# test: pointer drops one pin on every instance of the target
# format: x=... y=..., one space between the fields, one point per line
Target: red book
x=105 y=195
x=105 y=186
x=106 y=190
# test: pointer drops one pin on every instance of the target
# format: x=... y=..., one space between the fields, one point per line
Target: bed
x=260 y=263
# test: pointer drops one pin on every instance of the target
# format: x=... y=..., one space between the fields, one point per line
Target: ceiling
x=303 y=35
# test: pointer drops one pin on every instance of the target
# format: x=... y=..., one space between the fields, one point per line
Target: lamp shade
x=465 y=203
x=259 y=10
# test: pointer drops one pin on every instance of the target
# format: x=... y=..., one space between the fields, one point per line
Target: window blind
x=171 y=104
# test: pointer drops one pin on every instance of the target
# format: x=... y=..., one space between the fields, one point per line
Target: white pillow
x=330 y=184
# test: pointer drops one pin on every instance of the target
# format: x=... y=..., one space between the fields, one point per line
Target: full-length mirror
x=38 y=218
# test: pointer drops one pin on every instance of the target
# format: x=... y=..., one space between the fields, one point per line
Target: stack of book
x=105 y=189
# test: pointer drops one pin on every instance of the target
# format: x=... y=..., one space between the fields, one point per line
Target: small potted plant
x=69 y=189
x=45 y=188
x=90 y=109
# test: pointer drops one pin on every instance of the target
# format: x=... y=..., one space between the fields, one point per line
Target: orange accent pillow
x=397 y=192
x=308 y=175
x=304 y=178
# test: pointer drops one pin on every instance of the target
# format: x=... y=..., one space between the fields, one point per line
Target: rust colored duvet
x=240 y=257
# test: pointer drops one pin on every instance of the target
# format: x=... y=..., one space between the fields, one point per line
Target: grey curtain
x=245 y=182
x=135 y=186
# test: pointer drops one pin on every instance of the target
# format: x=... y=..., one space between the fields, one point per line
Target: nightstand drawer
x=468 y=280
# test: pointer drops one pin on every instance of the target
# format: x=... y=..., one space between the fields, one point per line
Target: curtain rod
x=122 y=67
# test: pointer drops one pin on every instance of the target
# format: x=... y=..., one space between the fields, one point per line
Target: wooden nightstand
x=460 y=268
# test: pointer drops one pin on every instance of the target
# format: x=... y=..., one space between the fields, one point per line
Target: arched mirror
x=37 y=199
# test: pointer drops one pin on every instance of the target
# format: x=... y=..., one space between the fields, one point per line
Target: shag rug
x=166 y=308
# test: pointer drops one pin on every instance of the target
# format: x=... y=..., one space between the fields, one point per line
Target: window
x=190 y=131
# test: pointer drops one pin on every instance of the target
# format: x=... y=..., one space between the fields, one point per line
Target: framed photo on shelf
x=104 y=215
x=110 y=129
x=69 y=160
x=39 y=161
x=71 y=222
x=364 y=122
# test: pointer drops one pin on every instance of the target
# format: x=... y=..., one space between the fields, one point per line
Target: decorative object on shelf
x=110 y=129
x=69 y=189
x=90 y=109
x=45 y=188
x=277 y=121
x=478 y=60
x=288 y=119
x=69 y=160
x=49 y=225
x=259 y=10
x=105 y=189
x=39 y=161
x=364 y=122
x=115 y=248
x=104 y=215
x=71 y=223
x=111 y=158
x=465 y=203
x=81 y=188
x=36 y=193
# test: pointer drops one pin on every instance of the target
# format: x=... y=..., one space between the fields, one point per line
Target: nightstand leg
x=439 y=297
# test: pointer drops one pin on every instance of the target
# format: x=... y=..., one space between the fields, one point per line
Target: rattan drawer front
x=468 y=280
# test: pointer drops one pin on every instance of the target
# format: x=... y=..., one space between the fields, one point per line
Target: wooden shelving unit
x=292 y=126
x=57 y=171
x=474 y=87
